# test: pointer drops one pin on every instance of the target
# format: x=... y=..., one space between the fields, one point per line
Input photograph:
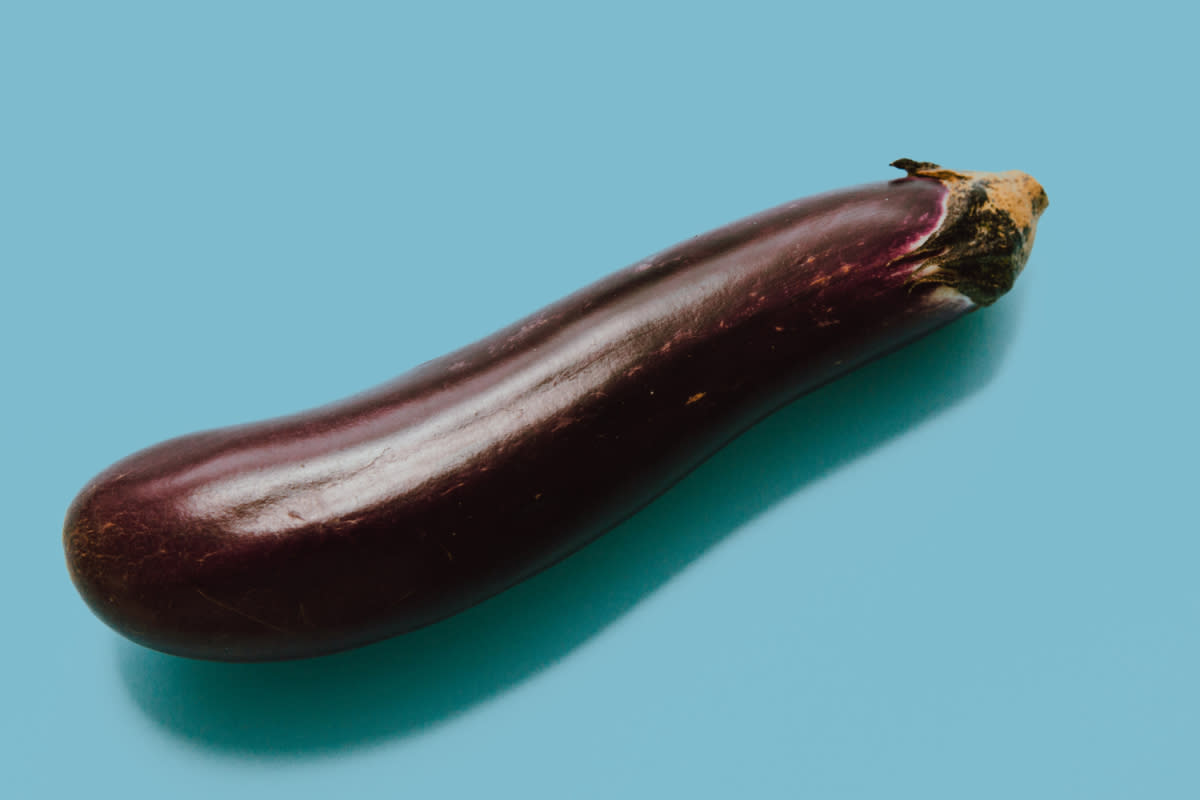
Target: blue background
x=968 y=570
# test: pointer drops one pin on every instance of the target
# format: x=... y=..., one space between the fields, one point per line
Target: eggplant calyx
x=985 y=238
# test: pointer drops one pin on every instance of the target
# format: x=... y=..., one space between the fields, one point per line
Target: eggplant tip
x=914 y=167
x=987 y=235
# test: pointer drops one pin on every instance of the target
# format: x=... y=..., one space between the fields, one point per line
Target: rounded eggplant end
x=119 y=560
x=91 y=541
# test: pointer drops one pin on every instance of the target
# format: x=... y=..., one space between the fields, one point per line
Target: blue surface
x=969 y=570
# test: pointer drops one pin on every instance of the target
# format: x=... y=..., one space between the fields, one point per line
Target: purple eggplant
x=397 y=507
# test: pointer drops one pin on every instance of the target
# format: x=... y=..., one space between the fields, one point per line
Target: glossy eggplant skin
x=395 y=508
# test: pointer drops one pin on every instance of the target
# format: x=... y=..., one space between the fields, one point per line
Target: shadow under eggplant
x=407 y=685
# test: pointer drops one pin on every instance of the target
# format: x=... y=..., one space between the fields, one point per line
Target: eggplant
x=400 y=506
